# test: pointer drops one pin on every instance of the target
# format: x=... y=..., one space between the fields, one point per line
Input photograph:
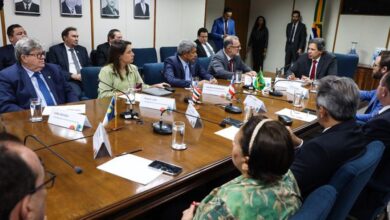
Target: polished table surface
x=97 y=194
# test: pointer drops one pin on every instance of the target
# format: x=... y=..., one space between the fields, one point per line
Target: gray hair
x=338 y=95
x=229 y=41
x=320 y=42
x=25 y=45
x=185 y=46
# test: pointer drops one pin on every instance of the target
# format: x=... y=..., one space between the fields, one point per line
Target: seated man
x=227 y=61
x=315 y=64
x=7 y=53
x=319 y=158
x=203 y=48
x=180 y=69
x=380 y=67
x=22 y=185
x=71 y=57
x=114 y=35
x=374 y=194
x=30 y=78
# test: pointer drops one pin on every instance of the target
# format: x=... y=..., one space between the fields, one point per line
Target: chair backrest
x=89 y=80
x=317 y=205
x=93 y=56
x=351 y=178
x=144 y=55
x=153 y=73
x=204 y=62
x=346 y=64
x=166 y=52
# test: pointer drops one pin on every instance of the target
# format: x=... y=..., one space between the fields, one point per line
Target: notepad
x=303 y=116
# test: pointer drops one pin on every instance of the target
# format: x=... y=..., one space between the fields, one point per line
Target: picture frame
x=71 y=8
x=109 y=8
x=141 y=9
x=27 y=7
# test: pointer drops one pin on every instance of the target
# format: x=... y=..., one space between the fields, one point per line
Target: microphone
x=130 y=114
x=76 y=169
x=279 y=71
x=160 y=127
x=232 y=92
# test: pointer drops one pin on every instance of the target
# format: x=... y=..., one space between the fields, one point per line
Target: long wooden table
x=97 y=194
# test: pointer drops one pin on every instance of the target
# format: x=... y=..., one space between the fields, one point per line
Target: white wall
x=214 y=10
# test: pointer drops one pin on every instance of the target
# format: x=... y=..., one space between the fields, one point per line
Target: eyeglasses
x=237 y=47
x=38 y=55
x=48 y=183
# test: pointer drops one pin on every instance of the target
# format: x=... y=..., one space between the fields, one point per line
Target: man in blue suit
x=222 y=27
x=381 y=66
x=180 y=69
x=7 y=53
x=71 y=57
x=30 y=78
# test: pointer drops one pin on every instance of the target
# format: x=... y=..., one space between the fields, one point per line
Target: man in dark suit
x=316 y=160
x=110 y=9
x=315 y=64
x=70 y=7
x=7 y=53
x=114 y=35
x=141 y=10
x=203 y=48
x=222 y=27
x=180 y=69
x=71 y=57
x=32 y=78
x=374 y=194
x=26 y=6
x=227 y=60
x=296 y=38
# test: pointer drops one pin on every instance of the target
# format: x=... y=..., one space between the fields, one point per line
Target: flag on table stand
x=316 y=27
x=110 y=114
x=196 y=93
x=259 y=82
x=232 y=90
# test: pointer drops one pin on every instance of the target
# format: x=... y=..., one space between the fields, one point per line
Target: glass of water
x=298 y=98
x=238 y=76
x=36 y=109
x=131 y=93
x=178 y=131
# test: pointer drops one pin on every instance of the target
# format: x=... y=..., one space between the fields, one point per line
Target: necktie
x=72 y=11
x=211 y=52
x=226 y=26
x=292 y=33
x=76 y=63
x=313 y=70
x=231 y=67
x=187 y=72
x=44 y=90
x=26 y=7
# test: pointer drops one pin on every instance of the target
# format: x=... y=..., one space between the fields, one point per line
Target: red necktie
x=231 y=65
x=313 y=70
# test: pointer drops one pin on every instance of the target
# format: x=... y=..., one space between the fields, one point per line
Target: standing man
x=110 y=9
x=296 y=38
x=203 y=48
x=114 y=35
x=227 y=61
x=7 y=53
x=141 y=9
x=26 y=6
x=71 y=57
x=222 y=27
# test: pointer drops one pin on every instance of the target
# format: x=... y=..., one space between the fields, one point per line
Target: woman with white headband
x=263 y=152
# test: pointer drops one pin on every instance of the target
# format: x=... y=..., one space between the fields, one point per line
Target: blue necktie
x=44 y=90
x=187 y=72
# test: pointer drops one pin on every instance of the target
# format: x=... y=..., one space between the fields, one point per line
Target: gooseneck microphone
x=160 y=127
x=130 y=114
x=76 y=169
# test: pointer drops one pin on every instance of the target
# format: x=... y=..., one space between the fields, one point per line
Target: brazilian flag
x=259 y=82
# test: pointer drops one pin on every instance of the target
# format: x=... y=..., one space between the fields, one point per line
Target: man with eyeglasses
x=30 y=78
x=15 y=32
x=23 y=181
x=380 y=67
x=227 y=60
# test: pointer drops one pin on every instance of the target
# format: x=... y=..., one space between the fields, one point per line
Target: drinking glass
x=36 y=109
x=178 y=131
x=298 y=98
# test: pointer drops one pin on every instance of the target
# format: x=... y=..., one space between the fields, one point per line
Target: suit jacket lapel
x=65 y=57
x=181 y=69
x=27 y=81
x=49 y=80
x=81 y=61
x=319 y=67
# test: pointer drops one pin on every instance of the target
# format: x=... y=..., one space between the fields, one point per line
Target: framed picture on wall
x=27 y=7
x=141 y=9
x=109 y=8
x=71 y=8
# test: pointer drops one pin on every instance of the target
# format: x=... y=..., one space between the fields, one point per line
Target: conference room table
x=98 y=194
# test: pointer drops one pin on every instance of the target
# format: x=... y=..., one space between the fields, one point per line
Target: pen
x=129 y=152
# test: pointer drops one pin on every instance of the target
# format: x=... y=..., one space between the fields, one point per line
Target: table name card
x=255 y=103
x=69 y=120
x=101 y=143
x=213 y=89
x=193 y=116
x=80 y=109
x=155 y=102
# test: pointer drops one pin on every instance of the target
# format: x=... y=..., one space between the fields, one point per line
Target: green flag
x=259 y=82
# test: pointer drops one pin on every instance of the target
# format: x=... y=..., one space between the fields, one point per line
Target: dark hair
x=320 y=42
x=116 y=50
x=111 y=34
x=10 y=29
x=17 y=180
x=272 y=152
x=385 y=59
x=202 y=30
x=66 y=31
x=227 y=9
x=296 y=12
x=256 y=24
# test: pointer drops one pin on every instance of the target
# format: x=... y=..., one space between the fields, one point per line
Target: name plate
x=193 y=116
x=213 y=89
x=101 y=143
x=155 y=102
x=255 y=103
x=68 y=119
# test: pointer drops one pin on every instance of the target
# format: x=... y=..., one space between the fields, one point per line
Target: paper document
x=80 y=109
x=303 y=116
x=137 y=96
x=131 y=167
x=228 y=133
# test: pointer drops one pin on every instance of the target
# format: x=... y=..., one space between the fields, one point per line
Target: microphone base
x=233 y=109
x=276 y=93
x=164 y=129
x=129 y=115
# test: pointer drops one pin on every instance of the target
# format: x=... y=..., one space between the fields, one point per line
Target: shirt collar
x=67 y=48
x=29 y=72
x=228 y=58
x=184 y=63
x=318 y=59
x=384 y=109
